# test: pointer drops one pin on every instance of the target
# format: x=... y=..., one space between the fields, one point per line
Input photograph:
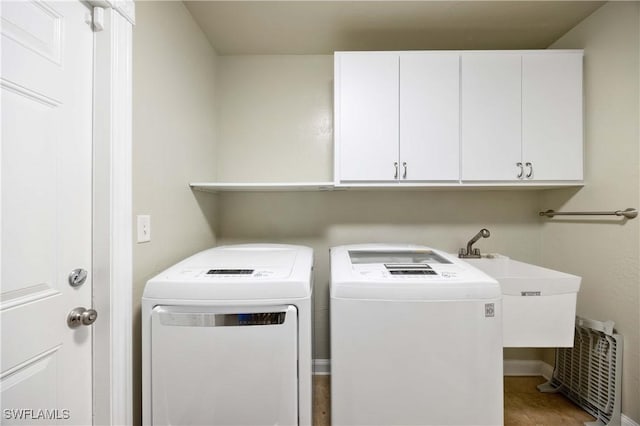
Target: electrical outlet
x=144 y=228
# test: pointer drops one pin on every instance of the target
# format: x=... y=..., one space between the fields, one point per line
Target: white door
x=430 y=117
x=491 y=116
x=367 y=116
x=552 y=116
x=47 y=67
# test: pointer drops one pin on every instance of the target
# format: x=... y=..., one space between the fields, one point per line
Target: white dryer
x=416 y=338
x=227 y=338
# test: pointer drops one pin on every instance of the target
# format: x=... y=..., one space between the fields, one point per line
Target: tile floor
x=524 y=405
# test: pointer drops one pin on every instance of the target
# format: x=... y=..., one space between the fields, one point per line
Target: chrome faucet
x=471 y=253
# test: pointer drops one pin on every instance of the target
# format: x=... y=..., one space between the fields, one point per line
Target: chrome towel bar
x=629 y=213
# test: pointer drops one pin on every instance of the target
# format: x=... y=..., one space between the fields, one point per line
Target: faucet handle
x=476 y=252
x=461 y=252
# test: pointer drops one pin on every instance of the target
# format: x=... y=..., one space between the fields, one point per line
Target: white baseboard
x=518 y=367
x=626 y=421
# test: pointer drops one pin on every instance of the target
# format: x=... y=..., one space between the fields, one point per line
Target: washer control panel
x=406 y=265
x=409 y=269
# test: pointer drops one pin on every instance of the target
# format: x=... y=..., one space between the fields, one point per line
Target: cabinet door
x=366 y=121
x=491 y=116
x=552 y=115
x=430 y=117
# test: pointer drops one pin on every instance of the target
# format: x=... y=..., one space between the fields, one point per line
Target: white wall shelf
x=261 y=186
x=406 y=186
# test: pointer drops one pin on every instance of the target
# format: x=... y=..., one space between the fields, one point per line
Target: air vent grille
x=589 y=373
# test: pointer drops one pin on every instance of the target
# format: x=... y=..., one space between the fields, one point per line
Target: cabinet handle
x=521 y=170
x=530 y=172
x=404 y=173
x=395 y=165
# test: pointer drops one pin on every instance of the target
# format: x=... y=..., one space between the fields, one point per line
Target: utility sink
x=538 y=304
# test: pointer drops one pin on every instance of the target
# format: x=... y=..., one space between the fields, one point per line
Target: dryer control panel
x=233 y=274
x=230 y=272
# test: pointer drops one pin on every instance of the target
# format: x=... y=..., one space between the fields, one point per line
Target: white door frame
x=112 y=251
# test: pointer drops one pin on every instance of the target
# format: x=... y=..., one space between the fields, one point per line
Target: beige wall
x=606 y=252
x=275 y=116
x=173 y=144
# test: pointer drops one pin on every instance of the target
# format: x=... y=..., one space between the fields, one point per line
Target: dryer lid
x=238 y=272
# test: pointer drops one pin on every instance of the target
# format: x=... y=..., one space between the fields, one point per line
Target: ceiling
x=322 y=27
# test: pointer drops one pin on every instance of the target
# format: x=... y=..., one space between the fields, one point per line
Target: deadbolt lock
x=77 y=277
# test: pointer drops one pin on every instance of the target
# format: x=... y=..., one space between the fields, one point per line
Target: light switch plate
x=144 y=228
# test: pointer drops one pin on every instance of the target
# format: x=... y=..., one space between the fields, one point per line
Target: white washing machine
x=416 y=338
x=227 y=338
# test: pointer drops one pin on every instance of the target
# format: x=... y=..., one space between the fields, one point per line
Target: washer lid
x=405 y=272
x=238 y=272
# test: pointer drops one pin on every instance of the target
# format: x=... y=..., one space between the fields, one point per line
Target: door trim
x=112 y=223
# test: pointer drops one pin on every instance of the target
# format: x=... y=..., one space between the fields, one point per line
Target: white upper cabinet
x=475 y=118
x=522 y=116
x=430 y=116
x=397 y=117
x=366 y=110
x=552 y=116
x=491 y=116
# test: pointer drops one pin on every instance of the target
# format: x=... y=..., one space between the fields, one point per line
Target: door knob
x=81 y=316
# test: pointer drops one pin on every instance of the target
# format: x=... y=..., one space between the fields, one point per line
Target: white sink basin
x=539 y=304
x=517 y=277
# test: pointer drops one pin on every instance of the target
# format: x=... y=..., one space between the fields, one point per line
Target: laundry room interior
x=233 y=143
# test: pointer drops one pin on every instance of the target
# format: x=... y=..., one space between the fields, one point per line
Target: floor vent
x=589 y=373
